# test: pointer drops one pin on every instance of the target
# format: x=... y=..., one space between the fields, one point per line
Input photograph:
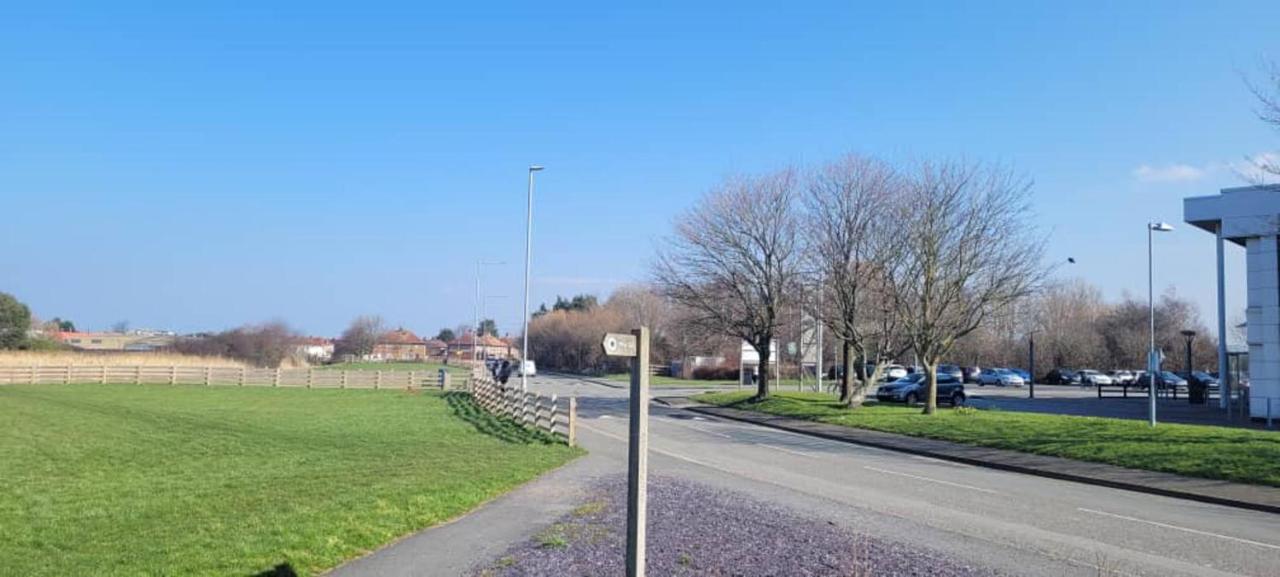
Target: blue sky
x=201 y=166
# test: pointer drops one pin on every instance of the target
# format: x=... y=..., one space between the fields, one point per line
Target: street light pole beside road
x=1153 y=356
x=528 y=259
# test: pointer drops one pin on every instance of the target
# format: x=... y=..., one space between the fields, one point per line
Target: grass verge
x=1239 y=455
x=160 y=480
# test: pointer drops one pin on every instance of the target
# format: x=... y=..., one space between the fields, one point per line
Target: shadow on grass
x=281 y=570
x=498 y=427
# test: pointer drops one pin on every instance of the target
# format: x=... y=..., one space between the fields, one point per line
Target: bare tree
x=854 y=246
x=642 y=305
x=360 y=337
x=733 y=258
x=1269 y=112
x=969 y=253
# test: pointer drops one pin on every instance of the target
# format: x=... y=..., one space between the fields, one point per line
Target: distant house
x=437 y=348
x=486 y=347
x=317 y=348
x=134 y=342
x=400 y=345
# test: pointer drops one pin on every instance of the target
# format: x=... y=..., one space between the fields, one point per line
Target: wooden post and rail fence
x=229 y=376
x=549 y=414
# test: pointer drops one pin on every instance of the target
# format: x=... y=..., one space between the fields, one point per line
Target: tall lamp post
x=1153 y=357
x=528 y=259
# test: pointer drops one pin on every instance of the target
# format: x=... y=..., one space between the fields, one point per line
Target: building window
x=96 y=341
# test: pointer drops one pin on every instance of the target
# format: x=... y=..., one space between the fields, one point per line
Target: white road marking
x=1178 y=528
x=931 y=480
x=784 y=450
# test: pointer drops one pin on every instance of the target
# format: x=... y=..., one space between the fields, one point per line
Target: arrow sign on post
x=636 y=346
x=619 y=345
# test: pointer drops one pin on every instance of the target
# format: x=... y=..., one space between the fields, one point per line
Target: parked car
x=1122 y=377
x=911 y=389
x=894 y=372
x=952 y=370
x=1092 y=378
x=971 y=374
x=1202 y=378
x=526 y=368
x=1061 y=376
x=1000 y=378
x=1026 y=376
x=1164 y=380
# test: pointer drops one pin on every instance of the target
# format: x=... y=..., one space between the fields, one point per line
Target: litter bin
x=1197 y=391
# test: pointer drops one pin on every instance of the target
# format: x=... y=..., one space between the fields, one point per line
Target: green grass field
x=455 y=370
x=163 y=480
x=1245 y=456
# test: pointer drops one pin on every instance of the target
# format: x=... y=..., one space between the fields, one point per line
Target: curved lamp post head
x=535 y=167
x=1160 y=226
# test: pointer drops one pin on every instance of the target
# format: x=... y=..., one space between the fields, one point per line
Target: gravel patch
x=697 y=530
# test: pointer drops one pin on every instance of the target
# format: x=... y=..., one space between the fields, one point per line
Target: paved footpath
x=1015 y=523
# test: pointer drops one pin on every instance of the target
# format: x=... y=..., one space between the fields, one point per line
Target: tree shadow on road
x=499 y=427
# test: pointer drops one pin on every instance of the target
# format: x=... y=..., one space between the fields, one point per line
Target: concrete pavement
x=1018 y=524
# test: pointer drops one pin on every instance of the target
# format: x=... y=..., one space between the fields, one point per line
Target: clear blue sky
x=197 y=167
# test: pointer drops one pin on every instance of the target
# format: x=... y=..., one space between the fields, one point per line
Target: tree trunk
x=931 y=388
x=846 y=380
x=762 y=385
x=859 y=393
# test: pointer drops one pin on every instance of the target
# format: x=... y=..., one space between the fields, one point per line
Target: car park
x=1001 y=378
x=971 y=374
x=1092 y=378
x=911 y=389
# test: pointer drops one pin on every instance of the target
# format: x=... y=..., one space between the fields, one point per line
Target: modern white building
x=1249 y=217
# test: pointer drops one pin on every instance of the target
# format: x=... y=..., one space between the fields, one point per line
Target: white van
x=526 y=368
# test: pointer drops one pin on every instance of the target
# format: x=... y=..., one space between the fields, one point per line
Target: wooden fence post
x=137 y=375
x=573 y=421
x=104 y=375
x=551 y=415
x=343 y=384
x=66 y=376
x=240 y=381
x=173 y=374
x=311 y=373
x=377 y=381
x=412 y=381
x=276 y=382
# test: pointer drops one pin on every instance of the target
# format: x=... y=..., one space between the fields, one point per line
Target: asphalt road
x=1021 y=524
x=1017 y=524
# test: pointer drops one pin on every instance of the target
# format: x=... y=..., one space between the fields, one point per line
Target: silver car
x=1092 y=378
x=1000 y=378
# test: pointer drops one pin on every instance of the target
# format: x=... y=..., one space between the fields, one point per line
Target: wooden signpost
x=636 y=346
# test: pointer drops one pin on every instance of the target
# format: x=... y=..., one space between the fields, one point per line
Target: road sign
x=619 y=345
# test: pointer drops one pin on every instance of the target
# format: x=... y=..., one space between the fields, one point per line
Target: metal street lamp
x=528 y=259
x=1153 y=357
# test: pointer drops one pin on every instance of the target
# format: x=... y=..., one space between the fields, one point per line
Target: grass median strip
x=1239 y=455
x=162 y=480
